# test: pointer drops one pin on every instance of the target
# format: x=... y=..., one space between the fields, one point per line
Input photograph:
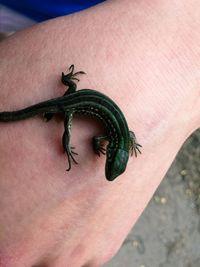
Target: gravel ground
x=168 y=232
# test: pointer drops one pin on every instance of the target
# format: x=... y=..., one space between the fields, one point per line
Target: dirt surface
x=168 y=232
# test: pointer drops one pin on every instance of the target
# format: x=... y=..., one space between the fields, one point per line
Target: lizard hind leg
x=66 y=139
x=70 y=78
x=68 y=150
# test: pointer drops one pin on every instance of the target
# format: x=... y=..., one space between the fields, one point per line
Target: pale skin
x=145 y=55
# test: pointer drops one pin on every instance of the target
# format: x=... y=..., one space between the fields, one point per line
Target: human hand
x=58 y=219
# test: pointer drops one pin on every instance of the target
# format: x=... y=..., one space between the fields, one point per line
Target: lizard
x=121 y=141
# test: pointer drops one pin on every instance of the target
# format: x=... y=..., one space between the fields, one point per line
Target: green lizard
x=91 y=103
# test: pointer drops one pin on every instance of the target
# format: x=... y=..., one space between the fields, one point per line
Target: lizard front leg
x=97 y=144
x=133 y=144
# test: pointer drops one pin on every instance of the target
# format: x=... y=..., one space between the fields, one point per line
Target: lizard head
x=116 y=163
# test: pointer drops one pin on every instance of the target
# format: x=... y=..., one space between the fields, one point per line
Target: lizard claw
x=135 y=148
x=68 y=78
x=73 y=75
x=133 y=144
x=70 y=157
x=100 y=150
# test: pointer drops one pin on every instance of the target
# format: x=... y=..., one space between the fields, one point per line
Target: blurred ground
x=168 y=232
